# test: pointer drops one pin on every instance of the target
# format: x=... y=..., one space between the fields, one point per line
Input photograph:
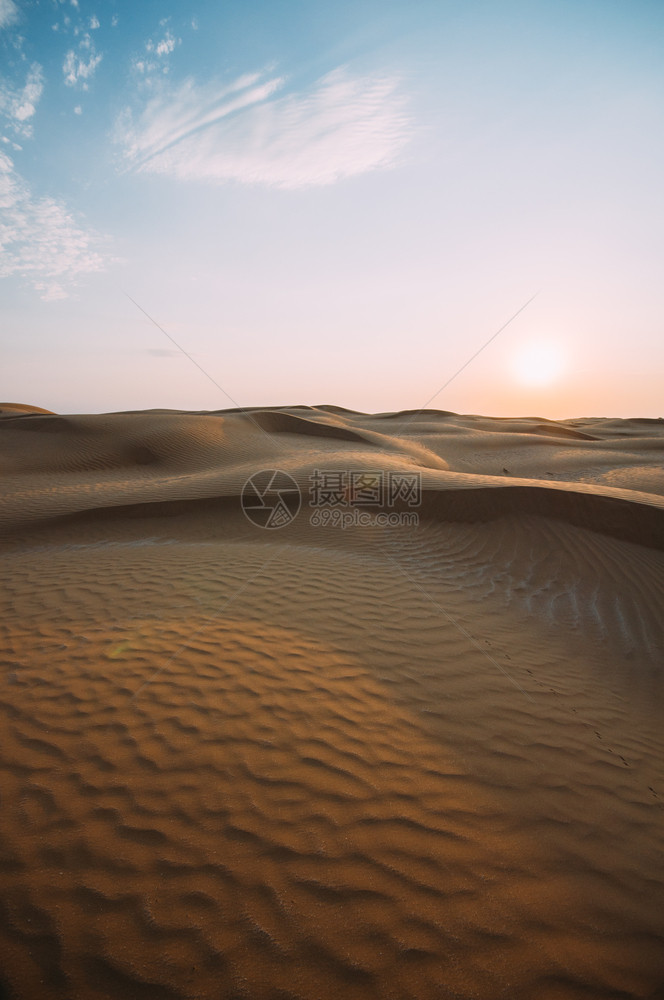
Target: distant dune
x=11 y=409
x=407 y=744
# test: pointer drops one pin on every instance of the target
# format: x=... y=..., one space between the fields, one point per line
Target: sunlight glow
x=538 y=363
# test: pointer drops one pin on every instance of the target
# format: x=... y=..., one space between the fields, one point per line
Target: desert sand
x=414 y=760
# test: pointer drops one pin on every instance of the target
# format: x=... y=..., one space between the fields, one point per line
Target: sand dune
x=415 y=760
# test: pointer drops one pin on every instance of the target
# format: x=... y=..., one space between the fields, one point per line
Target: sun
x=538 y=363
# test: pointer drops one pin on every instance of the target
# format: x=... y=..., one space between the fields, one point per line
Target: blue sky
x=333 y=202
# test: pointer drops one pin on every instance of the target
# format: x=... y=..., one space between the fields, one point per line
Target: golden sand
x=318 y=762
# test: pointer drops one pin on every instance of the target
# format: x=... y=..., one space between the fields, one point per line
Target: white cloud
x=78 y=110
x=166 y=45
x=17 y=106
x=156 y=65
x=342 y=127
x=94 y=22
x=8 y=13
x=39 y=240
x=80 y=67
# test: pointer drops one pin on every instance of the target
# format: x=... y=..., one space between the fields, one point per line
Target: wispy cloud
x=164 y=46
x=40 y=241
x=8 y=13
x=153 y=62
x=79 y=66
x=18 y=104
x=343 y=126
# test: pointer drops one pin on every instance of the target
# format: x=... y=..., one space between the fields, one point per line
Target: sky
x=206 y=205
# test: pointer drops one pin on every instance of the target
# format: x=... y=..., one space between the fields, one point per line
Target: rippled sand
x=313 y=762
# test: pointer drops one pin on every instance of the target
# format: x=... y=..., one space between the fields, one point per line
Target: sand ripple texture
x=423 y=761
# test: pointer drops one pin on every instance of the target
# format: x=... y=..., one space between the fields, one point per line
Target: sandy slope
x=313 y=762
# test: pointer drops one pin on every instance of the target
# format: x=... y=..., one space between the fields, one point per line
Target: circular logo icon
x=271 y=498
